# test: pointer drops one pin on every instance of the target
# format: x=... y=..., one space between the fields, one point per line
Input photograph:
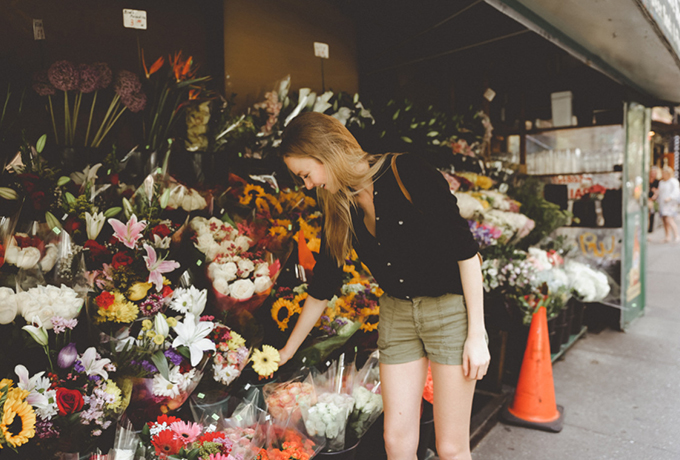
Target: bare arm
x=311 y=312
x=476 y=355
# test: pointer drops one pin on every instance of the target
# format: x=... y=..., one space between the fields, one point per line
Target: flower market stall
x=150 y=290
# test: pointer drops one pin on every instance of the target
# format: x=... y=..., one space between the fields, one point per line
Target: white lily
x=192 y=334
x=37 y=331
x=92 y=365
x=160 y=324
x=36 y=385
x=94 y=224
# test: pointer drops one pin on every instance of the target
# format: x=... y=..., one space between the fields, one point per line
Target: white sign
x=38 y=30
x=134 y=19
x=321 y=50
x=489 y=94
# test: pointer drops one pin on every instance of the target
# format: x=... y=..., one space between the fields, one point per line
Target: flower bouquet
x=587 y=284
x=368 y=404
x=246 y=429
x=17 y=415
x=288 y=440
x=283 y=398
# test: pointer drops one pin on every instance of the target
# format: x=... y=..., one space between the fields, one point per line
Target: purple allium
x=89 y=78
x=174 y=357
x=151 y=305
x=42 y=85
x=127 y=84
x=45 y=429
x=64 y=75
x=135 y=102
x=105 y=75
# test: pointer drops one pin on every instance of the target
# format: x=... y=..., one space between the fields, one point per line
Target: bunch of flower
x=484 y=234
x=17 y=417
x=44 y=303
x=287 y=444
x=368 y=404
x=514 y=275
x=171 y=437
x=283 y=398
x=242 y=275
x=587 y=284
x=479 y=181
x=515 y=225
x=75 y=405
x=27 y=252
x=328 y=418
x=231 y=354
x=214 y=238
x=185 y=198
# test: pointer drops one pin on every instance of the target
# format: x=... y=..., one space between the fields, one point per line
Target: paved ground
x=620 y=390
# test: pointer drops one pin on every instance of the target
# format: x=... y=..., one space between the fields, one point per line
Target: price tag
x=247 y=386
x=38 y=30
x=199 y=262
x=56 y=230
x=489 y=94
x=321 y=50
x=215 y=417
x=134 y=19
x=200 y=396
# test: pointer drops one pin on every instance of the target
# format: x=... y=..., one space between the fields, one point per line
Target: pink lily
x=129 y=233
x=157 y=266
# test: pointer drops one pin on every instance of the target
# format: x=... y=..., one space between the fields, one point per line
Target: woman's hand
x=285 y=356
x=476 y=357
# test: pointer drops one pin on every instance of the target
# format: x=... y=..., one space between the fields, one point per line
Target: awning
x=635 y=42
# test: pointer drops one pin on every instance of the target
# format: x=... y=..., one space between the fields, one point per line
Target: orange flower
x=154 y=67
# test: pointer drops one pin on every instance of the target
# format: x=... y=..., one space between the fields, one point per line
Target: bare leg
x=673 y=227
x=402 y=392
x=666 y=229
x=453 y=395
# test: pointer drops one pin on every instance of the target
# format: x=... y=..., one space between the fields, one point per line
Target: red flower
x=166 y=444
x=167 y=419
x=161 y=230
x=113 y=178
x=71 y=225
x=105 y=299
x=39 y=201
x=121 y=259
x=211 y=437
x=167 y=291
x=69 y=401
x=96 y=249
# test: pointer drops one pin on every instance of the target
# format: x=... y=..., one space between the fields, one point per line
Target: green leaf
x=356 y=97
x=40 y=145
x=70 y=199
x=227 y=219
x=161 y=363
x=63 y=180
x=184 y=351
x=112 y=212
x=432 y=121
x=396 y=114
x=432 y=134
x=406 y=139
x=414 y=125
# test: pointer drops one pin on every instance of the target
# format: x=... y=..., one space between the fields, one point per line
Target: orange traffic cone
x=534 y=403
x=305 y=256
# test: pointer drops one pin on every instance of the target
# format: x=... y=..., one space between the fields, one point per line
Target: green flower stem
x=76 y=111
x=112 y=107
x=108 y=128
x=89 y=122
x=67 y=124
x=54 y=125
x=47 y=352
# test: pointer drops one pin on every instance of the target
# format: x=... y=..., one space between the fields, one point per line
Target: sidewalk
x=620 y=390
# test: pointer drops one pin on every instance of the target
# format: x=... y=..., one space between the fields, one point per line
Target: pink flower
x=42 y=85
x=89 y=78
x=129 y=233
x=127 y=84
x=105 y=75
x=157 y=266
x=186 y=432
x=64 y=75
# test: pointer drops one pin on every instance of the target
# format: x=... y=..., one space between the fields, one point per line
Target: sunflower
x=6 y=383
x=249 y=191
x=266 y=362
x=12 y=409
x=262 y=205
x=289 y=309
x=278 y=231
x=370 y=313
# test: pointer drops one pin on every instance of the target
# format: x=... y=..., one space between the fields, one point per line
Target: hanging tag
x=321 y=50
x=134 y=19
x=38 y=30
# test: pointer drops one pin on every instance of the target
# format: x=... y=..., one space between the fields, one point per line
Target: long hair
x=325 y=139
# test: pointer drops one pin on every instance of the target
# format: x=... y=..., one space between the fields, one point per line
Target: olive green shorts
x=432 y=327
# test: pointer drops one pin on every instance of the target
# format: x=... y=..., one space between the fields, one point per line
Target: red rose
x=69 y=401
x=161 y=230
x=121 y=259
x=105 y=299
x=96 y=249
x=71 y=225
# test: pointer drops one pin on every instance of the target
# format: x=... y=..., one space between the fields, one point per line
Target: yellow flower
x=309 y=201
x=289 y=309
x=249 y=191
x=314 y=244
x=278 y=231
x=6 y=383
x=283 y=223
x=299 y=298
x=17 y=394
x=138 y=291
x=158 y=339
x=15 y=408
x=112 y=389
x=172 y=321
x=236 y=341
x=266 y=362
x=369 y=327
x=262 y=205
x=484 y=182
x=151 y=334
x=147 y=324
x=377 y=291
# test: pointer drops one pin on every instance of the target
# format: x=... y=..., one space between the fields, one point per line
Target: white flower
x=343 y=114
x=222 y=286
x=225 y=374
x=38 y=332
x=243 y=243
x=261 y=284
x=167 y=388
x=228 y=271
x=193 y=336
x=8 y=305
x=48 y=301
x=189 y=300
x=199 y=224
x=468 y=205
x=242 y=289
x=193 y=201
x=50 y=257
x=262 y=269
x=94 y=366
x=27 y=257
x=94 y=224
x=160 y=325
x=161 y=243
x=245 y=267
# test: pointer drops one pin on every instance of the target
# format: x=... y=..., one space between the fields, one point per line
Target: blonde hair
x=326 y=140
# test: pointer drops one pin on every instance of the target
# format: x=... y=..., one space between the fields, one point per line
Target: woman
x=654 y=176
x=667 y=197
x=421 y=252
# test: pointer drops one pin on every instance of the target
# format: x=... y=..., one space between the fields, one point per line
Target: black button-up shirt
x=417 y=246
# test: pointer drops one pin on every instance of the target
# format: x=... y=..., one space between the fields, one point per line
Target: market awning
x=635 y=42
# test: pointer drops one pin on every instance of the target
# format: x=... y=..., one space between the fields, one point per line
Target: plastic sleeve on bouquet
x=368 y=404
x=283 y=398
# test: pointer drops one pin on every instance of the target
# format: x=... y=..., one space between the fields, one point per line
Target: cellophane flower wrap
x=231 y=354
x=328 y=417
x=284 y=398
x=246 y=427
x=289 y=440
x=587 y=284
x=368 y=403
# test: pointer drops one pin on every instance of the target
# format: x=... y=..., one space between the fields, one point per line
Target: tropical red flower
x=166 y=444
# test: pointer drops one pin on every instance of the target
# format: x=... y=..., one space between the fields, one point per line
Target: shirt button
x=378 y=243
x=408 y=297
x=377 y=218
x=401 y=222
x=389 y=264
x=401 y=281
x=375 y=193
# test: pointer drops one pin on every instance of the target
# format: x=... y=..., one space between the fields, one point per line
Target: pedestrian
x=654 y=176
x=667 y=197
x=400 y=217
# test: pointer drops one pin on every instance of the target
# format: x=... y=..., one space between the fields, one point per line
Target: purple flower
x=45 y=429
x=147 y=366
x=174 y=357
x=42 y=85
x=151 y=305
x=64 y=75
x=67 y=356
x=134 y=102
x=105 y=75
x=89 y=78
x=78 y=366
x=60 y=324
x=127 y=84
